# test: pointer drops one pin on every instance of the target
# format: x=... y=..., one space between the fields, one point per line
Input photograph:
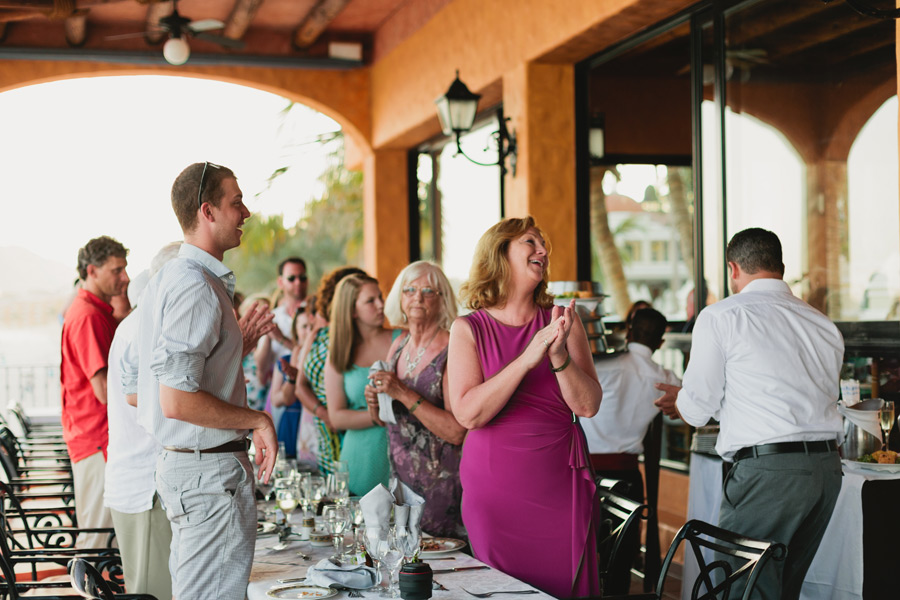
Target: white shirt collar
x=767 y=284
x=639 y=348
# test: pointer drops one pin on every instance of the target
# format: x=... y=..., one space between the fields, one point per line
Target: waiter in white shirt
x=766 y=365
x=615 y=435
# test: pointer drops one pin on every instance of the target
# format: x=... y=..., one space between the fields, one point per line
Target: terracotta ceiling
x=253 y=31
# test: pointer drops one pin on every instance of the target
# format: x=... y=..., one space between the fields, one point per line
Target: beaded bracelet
x=413 y=408
x=564 y=365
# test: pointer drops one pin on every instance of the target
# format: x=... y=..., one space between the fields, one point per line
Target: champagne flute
x=886 y=415
x=341 y=487
x=319 y=491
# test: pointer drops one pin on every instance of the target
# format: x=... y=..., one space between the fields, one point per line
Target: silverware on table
x=292 y=580
x=489 y=594
x=456 y=569
x=441 y=558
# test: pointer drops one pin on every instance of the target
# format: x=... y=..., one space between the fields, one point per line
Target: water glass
x=337 y=518
x=341 y=487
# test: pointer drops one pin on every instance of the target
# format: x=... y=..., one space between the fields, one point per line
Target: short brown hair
x=97 y=251
x=325 y=293
x=488 y=283
x=186 y=189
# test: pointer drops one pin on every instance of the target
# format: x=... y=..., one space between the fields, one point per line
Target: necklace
x=411 y=364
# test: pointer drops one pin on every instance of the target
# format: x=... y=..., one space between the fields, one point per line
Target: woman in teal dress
x=357 y=339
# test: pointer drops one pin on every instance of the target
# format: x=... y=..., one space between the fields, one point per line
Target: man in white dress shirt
x=142 y=529
x=766 y=365
x=615 y=435
x=191 y=395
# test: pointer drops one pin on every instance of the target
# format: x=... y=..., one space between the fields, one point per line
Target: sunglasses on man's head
x=292 y=278
x=203 y=180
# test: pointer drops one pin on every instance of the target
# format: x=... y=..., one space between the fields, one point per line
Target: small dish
x=320 y=538
x=437 y=546
x=882 y=467
x=301 y=590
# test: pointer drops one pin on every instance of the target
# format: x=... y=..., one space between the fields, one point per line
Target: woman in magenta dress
x=520 y=373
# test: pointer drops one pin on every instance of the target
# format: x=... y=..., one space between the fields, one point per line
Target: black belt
x=785 y=448
x=235 y=446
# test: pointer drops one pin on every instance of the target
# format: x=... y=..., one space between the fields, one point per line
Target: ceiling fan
x=176 y=49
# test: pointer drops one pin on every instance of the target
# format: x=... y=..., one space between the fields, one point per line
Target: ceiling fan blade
x=219 y=39
x=136 y=34
x=206 y=25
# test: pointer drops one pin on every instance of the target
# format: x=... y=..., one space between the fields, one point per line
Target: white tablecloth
x=269 y=566
x=836 y=572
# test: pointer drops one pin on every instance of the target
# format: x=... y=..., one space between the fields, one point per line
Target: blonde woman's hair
x=488 y=283
x=249 y=300
x=393 y=308
x=343 y=333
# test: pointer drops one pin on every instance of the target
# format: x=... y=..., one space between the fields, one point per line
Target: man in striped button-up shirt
x=191 y=395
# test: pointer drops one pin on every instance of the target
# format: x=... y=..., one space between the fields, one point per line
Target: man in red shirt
x=87 y=333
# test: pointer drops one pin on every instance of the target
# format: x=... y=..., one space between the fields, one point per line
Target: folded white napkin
x=867 y=420
x=408 y=506
x=327 y=574
x=385 y=402
x=376 y=507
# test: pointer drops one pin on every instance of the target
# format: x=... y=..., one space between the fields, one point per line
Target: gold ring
x=546 y=343
x=377 y=382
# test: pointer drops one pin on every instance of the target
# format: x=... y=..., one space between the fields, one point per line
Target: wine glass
x=408 y=542
x=392 y=558
x=337 y=518
x=286 y=497
x=886 y=414
x=372 y=537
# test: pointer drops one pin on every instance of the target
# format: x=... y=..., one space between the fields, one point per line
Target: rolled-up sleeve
x=191 y=321
x=129 y=367
x=703 y=389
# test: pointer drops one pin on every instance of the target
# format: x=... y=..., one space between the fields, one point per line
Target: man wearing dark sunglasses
x=293 y=283
x=191 y=393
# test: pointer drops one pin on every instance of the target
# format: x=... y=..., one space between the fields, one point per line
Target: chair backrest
x=24 y=421
x=717 y=577
x=88 y=582
x=619 y=516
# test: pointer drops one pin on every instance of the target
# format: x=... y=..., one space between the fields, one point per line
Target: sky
x=100 y=155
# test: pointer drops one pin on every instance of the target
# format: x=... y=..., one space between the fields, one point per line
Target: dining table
x=855 y=558
x=270 y=565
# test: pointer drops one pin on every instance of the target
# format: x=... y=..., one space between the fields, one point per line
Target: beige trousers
x=88 y=474
x=144 y=539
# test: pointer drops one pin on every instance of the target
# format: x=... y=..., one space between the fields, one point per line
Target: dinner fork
x=489 y=594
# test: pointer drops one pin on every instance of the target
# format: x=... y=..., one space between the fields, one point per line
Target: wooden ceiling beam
x=156 y=11
x=312 y=26
x=819 y=34
x=240 y=18
x=763 y=20
x=76 y=28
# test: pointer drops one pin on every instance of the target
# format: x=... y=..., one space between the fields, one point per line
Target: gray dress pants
x=786 y=498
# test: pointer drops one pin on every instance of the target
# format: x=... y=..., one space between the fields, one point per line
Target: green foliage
x=328 y=235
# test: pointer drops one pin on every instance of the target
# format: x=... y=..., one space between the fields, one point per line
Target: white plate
x=438 y=546
x=884 y=468
x=265 y=528
x=301 y=590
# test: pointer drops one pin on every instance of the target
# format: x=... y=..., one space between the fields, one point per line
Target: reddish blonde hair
x=488 y=283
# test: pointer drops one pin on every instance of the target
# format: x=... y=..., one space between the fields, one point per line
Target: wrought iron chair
x=618 y=537
x=37 y=538
x=88 y=582
x=717 y=577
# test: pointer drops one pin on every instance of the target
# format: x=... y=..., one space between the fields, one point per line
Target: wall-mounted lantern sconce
x=597 y=140
x=456 y=111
